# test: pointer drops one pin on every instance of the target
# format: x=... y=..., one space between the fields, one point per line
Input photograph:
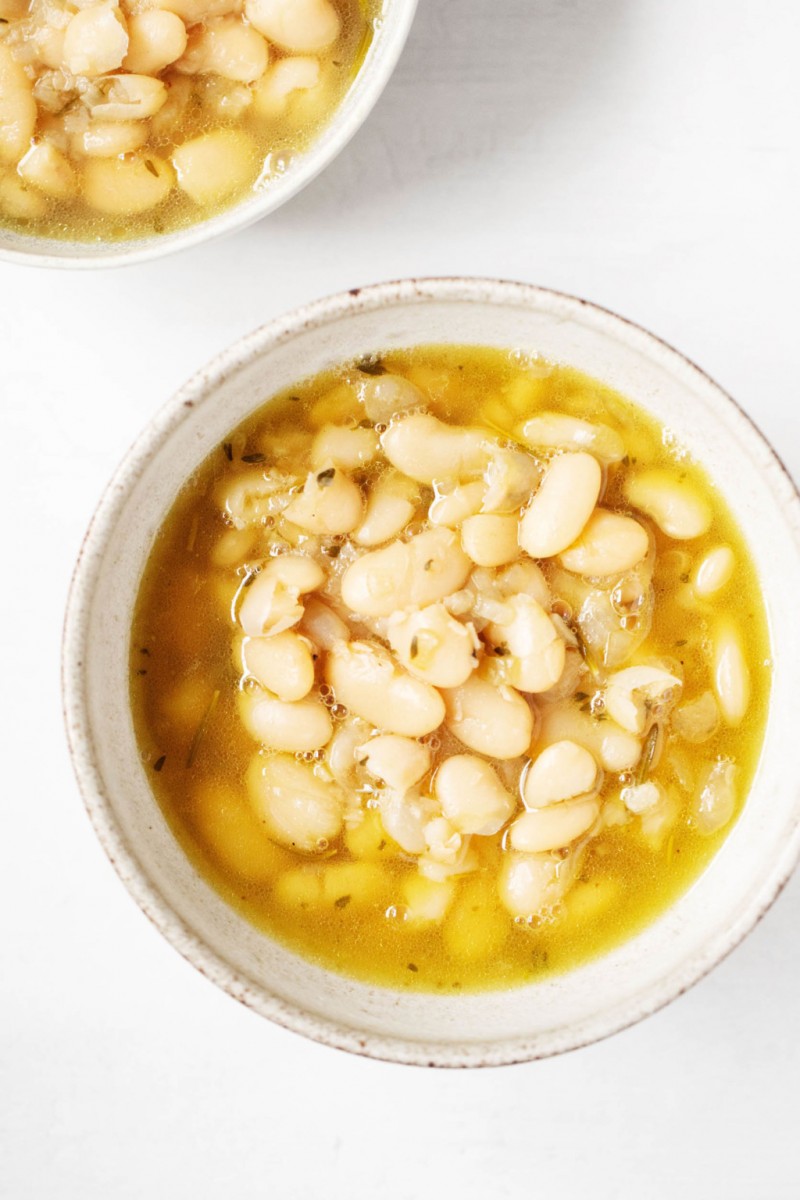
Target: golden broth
x=348 y=908
x=149 y=186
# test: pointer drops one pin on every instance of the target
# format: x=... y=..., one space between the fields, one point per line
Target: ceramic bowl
x=468 y=1030
x=390 y=37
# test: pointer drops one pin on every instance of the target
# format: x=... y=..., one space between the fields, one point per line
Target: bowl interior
x=388 y=41
x=494 y=1027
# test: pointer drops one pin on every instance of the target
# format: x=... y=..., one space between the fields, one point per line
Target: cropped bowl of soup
x=130 y=128
x=428 y=672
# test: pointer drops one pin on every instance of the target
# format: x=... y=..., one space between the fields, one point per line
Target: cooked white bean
x=110 y=139
x=453 y=503
x=418 y=572
x=225 y=46
x=472 y=797
x=534 y=651
x=271 y=602
x=610 y=543
x=343 y=447
x=390 y=506
x=433 y=645
x=494 y=721
x=426 y=900
x=533 y=884
x=674 y=505
x=565 y=501
x=17 y=108
x=156 y=38
x=631 y=694
x=730 y=672
x=641 y=797
x=427 y=449
x=299 y=726
x=559 y=431
x=613 y=747
x=554 y=827
x=696 y=722
x=213 y=165
x=370 y=684
x=273 y=90
x=126 y=185
x=443 y=842
x=341 y=753
x=509 y=478
x=404 y=816
x=524 y=577
x=329 y=503
x=128 y=98
x=301 y=26
x=399 y=761
x=298 y=809
x=714 y=571
x=490 y=539
x=282 y=664
x=20 y=201
x=322 y=624
x=95 y=41
x=562 y=771
x=716 y=798
x=386 y=396
x=46 y=168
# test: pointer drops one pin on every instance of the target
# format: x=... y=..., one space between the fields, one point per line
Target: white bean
x=329 y=503
x=368 y=683
x=300 y=26
x=614 y=748
x=273 y=90
x=128 y=98
x=427 y=449
x=110 y=139
x=453 y=503
x=534 y=652
x=426 y=900
x=156 y=38
x=713 y=572
x=554 y=827
x=271 y=603
x=418 y=572
x=609 y=543
x=509 y=478
x=493 y=721
x=433 y=645
x=282 y=664
x=731 y=673
x=46 y=168
x=524 y=577
x=399 y=761
x=298 y=809
x=559 y=431
x=341 y=754
x=472 y=797
x=19 y=201
x=558 y=512
x=562 y=771
x=296 y=727
x=214 y=165
x=390 y=506
x=716 y=799
x=322 y=624
x=227 y=47
x=631 y=694
x=532 y=885
x=642 y=797
x=386 y=396
x=674 y=505
x=343 y=447
x=121 y=186
x=404 y=816
x=95 y=41
x=696 y=722
x=17 y=108
x=490 y=539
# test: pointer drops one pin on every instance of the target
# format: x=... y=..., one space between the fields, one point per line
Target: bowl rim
x=200 y=389
x=335 y=133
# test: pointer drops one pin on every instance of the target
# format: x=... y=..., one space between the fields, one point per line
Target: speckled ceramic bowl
x=468 y=1030
x=374 y=74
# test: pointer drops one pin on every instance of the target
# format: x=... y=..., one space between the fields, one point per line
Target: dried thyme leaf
x=648 y=754
x=158 y=764
x=342 y=902
x=414 y=648
x=325 y=478
x=151 y=167
x=254 y=458
x=501 y=651
x=371 y=365
x=201 y=729
x=228 y=451
x=413 y=967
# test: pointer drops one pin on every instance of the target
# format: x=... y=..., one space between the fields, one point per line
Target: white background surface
x=641 y=153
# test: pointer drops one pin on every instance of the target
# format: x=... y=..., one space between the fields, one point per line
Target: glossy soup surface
x=458 y=879
x=124 y=118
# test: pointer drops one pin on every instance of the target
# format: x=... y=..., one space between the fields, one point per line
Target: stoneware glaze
x=381 y=59
x=468 y=1030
